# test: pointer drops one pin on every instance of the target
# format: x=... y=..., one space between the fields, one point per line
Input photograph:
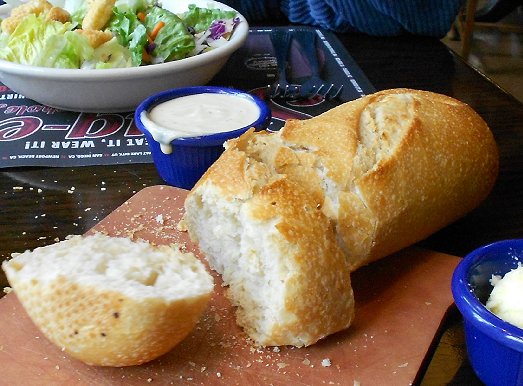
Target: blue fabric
x=373 y=17
x=253 y=10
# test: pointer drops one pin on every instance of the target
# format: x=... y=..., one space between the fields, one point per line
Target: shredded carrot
x=157 y=29
x=146 y=57
x=141 y=16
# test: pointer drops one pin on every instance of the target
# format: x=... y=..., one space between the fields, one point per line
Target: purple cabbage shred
x=150 y=48
x=217 y=29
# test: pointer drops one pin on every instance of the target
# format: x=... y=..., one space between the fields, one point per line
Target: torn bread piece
x=268 y=255
x=111 y=301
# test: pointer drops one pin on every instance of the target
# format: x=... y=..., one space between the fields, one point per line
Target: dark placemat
x=32 y=134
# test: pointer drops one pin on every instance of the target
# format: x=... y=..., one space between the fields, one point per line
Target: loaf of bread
x=285 y=217
x=111 y=301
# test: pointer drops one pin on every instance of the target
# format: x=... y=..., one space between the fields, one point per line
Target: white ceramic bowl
x=119 y=89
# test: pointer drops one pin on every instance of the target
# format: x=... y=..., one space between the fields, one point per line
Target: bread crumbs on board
x=326 y=362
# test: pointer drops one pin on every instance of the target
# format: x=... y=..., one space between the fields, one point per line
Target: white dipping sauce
x=196 y=115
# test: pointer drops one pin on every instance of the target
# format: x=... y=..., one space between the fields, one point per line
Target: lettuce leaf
x=111 y=54
x=39 y=42
x=76 y=8
x=30 y=38
x=130 y=33
x=174 y=40
x=64 y=51
x=201 y=18
x=133 y=5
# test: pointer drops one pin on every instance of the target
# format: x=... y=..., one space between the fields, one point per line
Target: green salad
x=136 y=33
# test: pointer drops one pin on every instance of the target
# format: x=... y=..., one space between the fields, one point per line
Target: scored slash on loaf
x=285 y=217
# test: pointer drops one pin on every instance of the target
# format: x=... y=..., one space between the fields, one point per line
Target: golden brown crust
x=319 y=286
x=18 y=14
x=229 y=172
x=443 y=166
x=98 y=14
x=58 y=14
x=95 y=37
x=328 y=139
x=106 y=328
x=430 y=160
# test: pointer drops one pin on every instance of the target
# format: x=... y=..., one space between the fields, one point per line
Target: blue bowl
x=192 y=156
x=494 y=347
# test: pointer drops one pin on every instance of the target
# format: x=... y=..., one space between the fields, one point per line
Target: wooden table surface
x=39 y=205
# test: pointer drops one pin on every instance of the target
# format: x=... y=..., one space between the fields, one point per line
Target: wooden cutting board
x=400 y=304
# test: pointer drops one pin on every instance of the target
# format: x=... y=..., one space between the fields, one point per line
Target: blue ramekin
x=494 y=347
x=192 y=156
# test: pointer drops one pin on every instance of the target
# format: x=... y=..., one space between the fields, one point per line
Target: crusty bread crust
x=404 y=164
x=107 y=328
x=317 y=284
x=379 y=173
x=101 y=322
